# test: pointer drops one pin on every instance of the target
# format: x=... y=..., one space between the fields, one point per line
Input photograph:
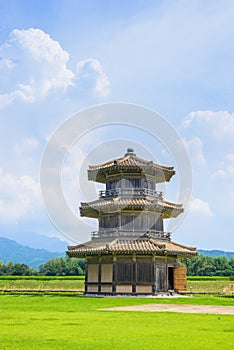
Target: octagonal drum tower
x=130 y=253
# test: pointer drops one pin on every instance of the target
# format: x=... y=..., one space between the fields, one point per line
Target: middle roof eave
x=95 y=208
x=161 y=175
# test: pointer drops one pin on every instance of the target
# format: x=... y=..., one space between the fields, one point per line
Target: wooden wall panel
x=92 y=288
x=92 y=272
x=107 y=273
x=124 y=288
x=144 y=289
x=106 y=288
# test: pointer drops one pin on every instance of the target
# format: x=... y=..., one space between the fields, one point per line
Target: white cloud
x=195 y=147
x=6 y=99
x=26 y=144
x=227 y=170
x=86 y=69
x=221 y=122
x=230 y=157
x=33 y=64
x=230 y=170
x=200 y=208
x=6 y=63
x=218 y=174
x=200 y=115
x=18 y=196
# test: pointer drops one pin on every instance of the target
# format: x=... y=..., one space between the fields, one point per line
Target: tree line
x=53 y=267
x=200 y=265
x=203 y=265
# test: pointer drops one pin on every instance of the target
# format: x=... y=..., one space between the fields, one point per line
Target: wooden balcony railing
x=129 y=192
x=131 y=233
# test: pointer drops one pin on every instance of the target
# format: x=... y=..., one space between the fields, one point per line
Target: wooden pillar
x=120 y=223
x=166 y=273
x=154 y=276
x=114 y=276
x=86 y=276
x=133 y=274
x=99 y=275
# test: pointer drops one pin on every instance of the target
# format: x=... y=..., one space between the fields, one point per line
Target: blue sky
x=174 y=57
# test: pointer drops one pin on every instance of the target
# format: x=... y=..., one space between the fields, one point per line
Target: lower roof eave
x=76 y=254
x=186 y=255
x=85 y=254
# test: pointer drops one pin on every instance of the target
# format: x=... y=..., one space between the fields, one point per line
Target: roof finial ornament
x=130 y=152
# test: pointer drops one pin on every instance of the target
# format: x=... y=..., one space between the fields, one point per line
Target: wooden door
x=180 y=278
x=160 y=278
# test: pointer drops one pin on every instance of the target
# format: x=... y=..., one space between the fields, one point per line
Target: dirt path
x=193 y=309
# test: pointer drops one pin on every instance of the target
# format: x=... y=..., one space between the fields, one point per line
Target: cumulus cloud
x=230 y=157
x=32 y=64
x=200 y=208
x=195 y=147
x=26 y=144
x=91 y=70
x=18 y=196
x=227 y=170
x=218 y=174
x=221 y=122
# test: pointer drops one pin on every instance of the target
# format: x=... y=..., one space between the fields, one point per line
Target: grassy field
x=42 y=284
x=218 y=286
x=52 y=322
x=215 y=285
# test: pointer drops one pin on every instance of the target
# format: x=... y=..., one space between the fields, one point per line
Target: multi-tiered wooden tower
x=130 y=253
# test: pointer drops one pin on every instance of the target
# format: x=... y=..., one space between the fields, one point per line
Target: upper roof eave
x=130 y=162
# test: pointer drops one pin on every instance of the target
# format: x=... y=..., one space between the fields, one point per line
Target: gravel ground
x=193 y=309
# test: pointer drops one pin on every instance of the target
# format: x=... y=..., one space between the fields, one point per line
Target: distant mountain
x=10 y=250
x=35 y=240
x=17 y=253
x=215 y=253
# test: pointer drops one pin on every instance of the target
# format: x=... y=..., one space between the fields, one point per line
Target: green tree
x=16 y=269
x=21 y=270
x=231 y=264
x=202 y=265
x=63 y=267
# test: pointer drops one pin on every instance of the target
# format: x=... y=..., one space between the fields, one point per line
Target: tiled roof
x=130 y=162
x=168 y=209
x=131 y=246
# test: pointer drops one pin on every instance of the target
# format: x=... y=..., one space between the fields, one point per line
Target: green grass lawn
x=77 y=283
x=53 y=322
x=55 y=284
